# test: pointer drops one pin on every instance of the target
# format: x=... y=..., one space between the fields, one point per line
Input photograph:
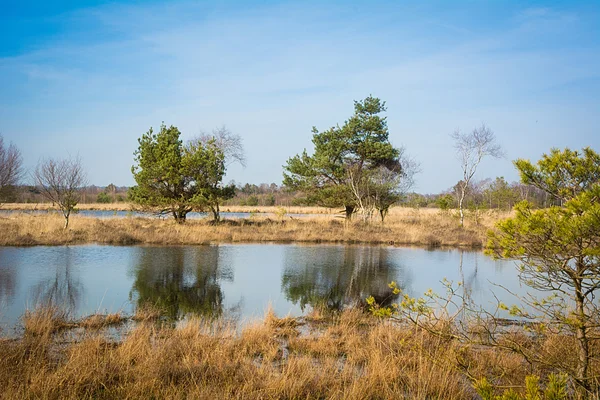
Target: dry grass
x=354 y=356
x=404 y=226
x=98 y=321
x=129 y=206
x=288 y=210
x=45 y=321
x=147 y=312
x=351 y=355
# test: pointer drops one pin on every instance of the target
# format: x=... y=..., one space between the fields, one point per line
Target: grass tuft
x=43 y=321
x=98 y=321
x=350 y=356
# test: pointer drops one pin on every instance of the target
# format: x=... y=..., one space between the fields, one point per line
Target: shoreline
x=132 y=207
x=349 y=354
x=404 y=227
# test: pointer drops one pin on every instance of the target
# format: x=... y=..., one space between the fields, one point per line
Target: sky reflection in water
x=238 y=280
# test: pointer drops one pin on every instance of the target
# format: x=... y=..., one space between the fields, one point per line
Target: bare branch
x=60 y=181
x=230 y=144
x=471 y=148
x=410 y=167
x=11 y=169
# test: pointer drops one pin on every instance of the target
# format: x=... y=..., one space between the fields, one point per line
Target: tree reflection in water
x=180 y=280
x=62 y=290
x=470 y=280
x=8 y=282
x=335 y=277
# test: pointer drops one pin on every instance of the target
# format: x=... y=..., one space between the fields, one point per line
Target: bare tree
x=233 y=151
x=470 y=150
x=392 y=183
x=11 y=170
x=60 y=181
x=230 y=144
x=410 y=167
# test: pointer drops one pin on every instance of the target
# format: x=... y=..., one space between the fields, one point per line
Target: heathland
x=347 y=355
x=403 y=226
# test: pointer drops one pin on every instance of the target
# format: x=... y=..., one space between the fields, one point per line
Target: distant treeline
x=89 y=194
x=485 y=194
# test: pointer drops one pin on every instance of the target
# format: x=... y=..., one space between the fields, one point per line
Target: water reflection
x=63 y=288
x=8 y=282
x=200 y=279
x=470 y=280
x=335 y=277
x=181 y=280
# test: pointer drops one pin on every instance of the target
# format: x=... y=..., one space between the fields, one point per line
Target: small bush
x=103 y=198
x=252 y=201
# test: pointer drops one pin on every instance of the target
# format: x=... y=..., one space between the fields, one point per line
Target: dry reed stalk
x=45 y=320
x=98 y=321
x=354 y=357
x=147 y=312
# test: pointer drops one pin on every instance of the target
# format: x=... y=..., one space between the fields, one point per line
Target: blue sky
x=88 y=78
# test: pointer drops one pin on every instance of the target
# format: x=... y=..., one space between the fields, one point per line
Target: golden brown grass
x=130 y=206
x=288 y=210
x=147 y=312
x=404 y=226
x=98 y=321
x=353 y=357
x=45 y=321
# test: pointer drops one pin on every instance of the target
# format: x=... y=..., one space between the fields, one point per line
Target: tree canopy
x=348 y=162
x=559 y=249
x=562 y=174
x=176 y=178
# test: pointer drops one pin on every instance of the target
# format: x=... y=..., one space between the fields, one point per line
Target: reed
x=352 y=356
x=99 y=321
x=43 y=321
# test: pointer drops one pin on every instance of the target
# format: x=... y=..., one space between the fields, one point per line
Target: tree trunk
x=582 y=339
x=216 y=213
x=349 y=212
x=383 y=213
x=460 y=206
x=179 y=214
x=67 y=214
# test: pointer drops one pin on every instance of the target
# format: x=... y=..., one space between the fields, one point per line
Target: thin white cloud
x=273 y=72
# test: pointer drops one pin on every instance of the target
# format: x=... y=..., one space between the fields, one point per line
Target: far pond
x=234 y=280
x=109 y=214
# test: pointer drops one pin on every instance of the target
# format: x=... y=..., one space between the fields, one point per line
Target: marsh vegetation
x=404 y=226
x=345 y=355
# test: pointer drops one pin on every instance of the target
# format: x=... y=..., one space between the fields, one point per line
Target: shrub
x=103 y=198
x=252 y=201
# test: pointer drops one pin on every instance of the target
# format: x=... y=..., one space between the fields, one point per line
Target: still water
x=104 y=214
x=235 y=280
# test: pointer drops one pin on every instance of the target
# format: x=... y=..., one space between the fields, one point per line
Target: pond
x=128 y=214
x=236 y=280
